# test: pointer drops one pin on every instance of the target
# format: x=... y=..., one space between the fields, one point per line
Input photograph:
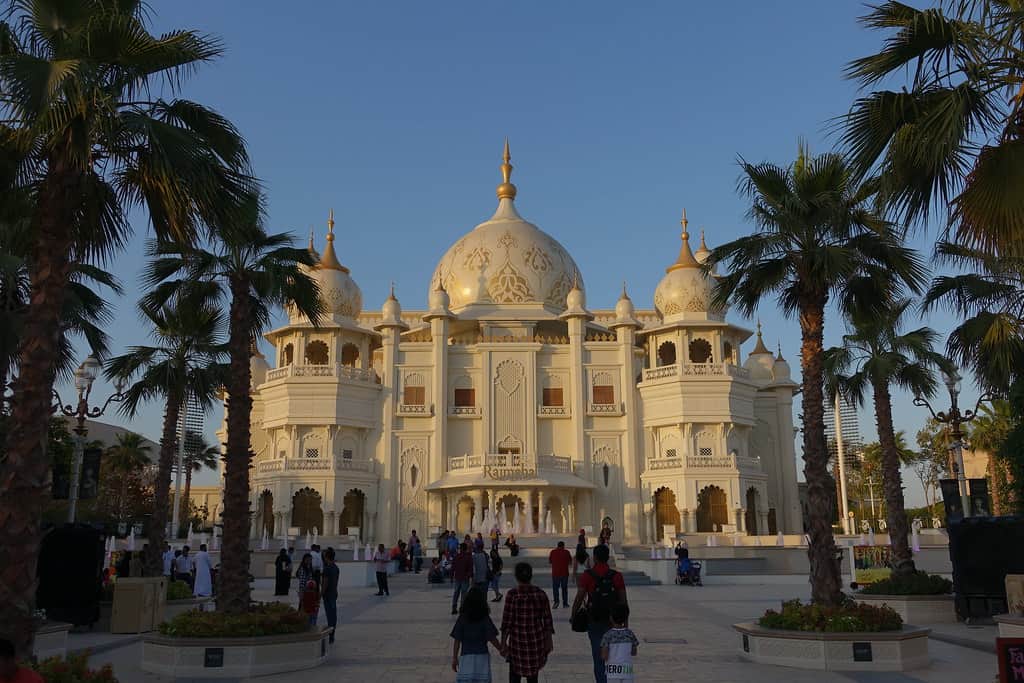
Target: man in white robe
x=168 y=558
x=204 y=576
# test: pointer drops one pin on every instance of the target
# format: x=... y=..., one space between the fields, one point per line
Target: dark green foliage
x=918 y=583
x=847 y=617
x=262 y=619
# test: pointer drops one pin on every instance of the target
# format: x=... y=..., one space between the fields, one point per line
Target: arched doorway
x=350 y=355
x=750 y=516
x=508 y=504
x=554 y=504
x=666 y=354
x=712 y=510
x=266 y=510
x=351 y=515
x=307 y=513
x=665 y=511
x=464 y=515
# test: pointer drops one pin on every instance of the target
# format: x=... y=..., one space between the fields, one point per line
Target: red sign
x=1010 y=652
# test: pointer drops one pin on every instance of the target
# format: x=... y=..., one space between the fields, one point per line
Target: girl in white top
x=618 y=647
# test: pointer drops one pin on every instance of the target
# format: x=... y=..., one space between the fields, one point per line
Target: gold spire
x=624 y=294
x=685 y=258
x=329 y=260
x=703 y=246
x=506 y=190
x=779 y=356
x=760 y=347
x=391 y=295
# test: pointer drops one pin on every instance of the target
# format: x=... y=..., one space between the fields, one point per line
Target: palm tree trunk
x=187 y=495
x=25 y=473
x=826 y=579
x=892 y=484
x=233 y=592
x=162 y=486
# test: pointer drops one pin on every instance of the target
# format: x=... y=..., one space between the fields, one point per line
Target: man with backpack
x=601 y=587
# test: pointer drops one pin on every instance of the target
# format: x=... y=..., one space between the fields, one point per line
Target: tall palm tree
x=874 y=357
x=951 y=137
x=129 y=455
x=84 y=137
x=817 y=240
x=185 y=365
x=199 y=455
x=248 y=271
x=991 y=431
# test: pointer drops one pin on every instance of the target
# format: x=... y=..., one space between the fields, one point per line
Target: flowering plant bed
x=849 y=617
x=262 y=619
x=73 y=669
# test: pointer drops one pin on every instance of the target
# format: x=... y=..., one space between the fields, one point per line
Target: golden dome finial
x=703 y=245
x=506 y=190
x=624 y=295
x=329 y=259
x=685 y=258
x=391 y=295
x=330 y=226
x=759 y=347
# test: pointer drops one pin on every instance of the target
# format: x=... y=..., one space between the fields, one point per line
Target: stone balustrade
x=695 y=370
x=509 y=462
x=312 y=464
x=337 y=370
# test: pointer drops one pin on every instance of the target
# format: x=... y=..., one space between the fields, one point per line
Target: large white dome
x=507 y=260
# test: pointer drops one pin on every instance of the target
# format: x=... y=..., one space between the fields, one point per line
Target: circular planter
x=51 y=640
x=234 y=657
x=885 y=651
x=916 y=609
x=1010 y=626
x=173 y=608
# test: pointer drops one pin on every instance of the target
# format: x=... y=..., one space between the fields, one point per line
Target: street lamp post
x=85 y=375
x=954 y=418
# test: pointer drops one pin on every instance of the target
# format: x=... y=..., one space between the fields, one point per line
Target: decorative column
x=576 y=315
x=542 y=527
x=478 y=509
x=438 y=317
x=390 y=327
x=740 y=519
x=762 y=521
x=684 y=519
x=631 y=458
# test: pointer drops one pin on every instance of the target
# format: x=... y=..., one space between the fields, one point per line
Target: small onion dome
x=702 y=252
x=625 y=314
x=340 y=294
x=439 y=303
x=685 y=293
x=761 y=361
x=391 y=312
x=576 y=301
x=781 y=370
x=258 y=367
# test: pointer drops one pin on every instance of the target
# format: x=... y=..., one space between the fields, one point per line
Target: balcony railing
x=704 y=462
x=506 y=465
x=463 y=411
x=415 y=410
x=555 y=462
x=720 y=461
x=696 y=370
x=664 y=463
x=337 y=370
x=312 y=464
x=355 y=465
x=552 y=411
x=308 y=464
x=270 y=466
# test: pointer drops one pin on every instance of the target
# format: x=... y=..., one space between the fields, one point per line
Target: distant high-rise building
x=853 y=444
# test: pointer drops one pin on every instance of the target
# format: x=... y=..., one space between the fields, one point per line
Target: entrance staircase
x=534 y=550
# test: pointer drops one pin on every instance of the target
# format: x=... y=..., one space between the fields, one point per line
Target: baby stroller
x=688 y=572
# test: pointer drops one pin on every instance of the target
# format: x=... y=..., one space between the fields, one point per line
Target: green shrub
x=73 y=669
x=178 y=590
x=918 y=583
x=849 y=617
x=262 y=619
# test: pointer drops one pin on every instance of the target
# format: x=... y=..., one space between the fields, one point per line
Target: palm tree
x=129 y=455
x=875 y=356
x=83 y=137
x=951 y=136
x=990 y=432
x=248 y=271
x=185 y=365
x=199 y=455
x=817 y=241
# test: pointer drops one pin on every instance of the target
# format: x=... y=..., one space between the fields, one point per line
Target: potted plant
x=919 y=597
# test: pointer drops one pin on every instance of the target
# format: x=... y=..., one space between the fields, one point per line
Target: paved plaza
x=684 y=632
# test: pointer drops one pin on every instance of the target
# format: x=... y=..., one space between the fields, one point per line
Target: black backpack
x=603 y=597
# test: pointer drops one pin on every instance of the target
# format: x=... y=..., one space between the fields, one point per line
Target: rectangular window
x=670 y=453
x=604 y=395
x=465 y=397
x=346 y=454
x=414 y=396
x=705 y=452
x=312 y=452
x=553 y=397
x=508 y=450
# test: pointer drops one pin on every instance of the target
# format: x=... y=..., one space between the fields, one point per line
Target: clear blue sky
x=619 y=115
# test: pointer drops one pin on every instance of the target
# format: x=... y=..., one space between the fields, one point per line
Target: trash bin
x=138 y=604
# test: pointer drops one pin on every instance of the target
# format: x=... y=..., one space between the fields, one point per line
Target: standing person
x=282 y=572
x=329 y=591
x=496 y=565
x=10 y=672
x=526 y=628
x=441 y=542
x=581 y=542
x=318 y=562
x=183 y=566
x=309 y=601
x=381 y=560
x=579 y=561
x=135 y=565
x=481 y=568
x=452 y=544
x=462 y=572
x=513 y=545
x=413 y=539
x=204 y=577
x=472 y=631
x=603 y=588
x=494 y=536
x=618 y=647
x=417 y=556
x=303 y=575
x=560 y=559
x=478 y=542
x=168 y=558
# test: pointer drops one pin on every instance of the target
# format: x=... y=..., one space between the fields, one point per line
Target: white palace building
x=509 y=395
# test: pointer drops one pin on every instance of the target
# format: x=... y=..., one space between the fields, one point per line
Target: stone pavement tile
x=405 y=638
